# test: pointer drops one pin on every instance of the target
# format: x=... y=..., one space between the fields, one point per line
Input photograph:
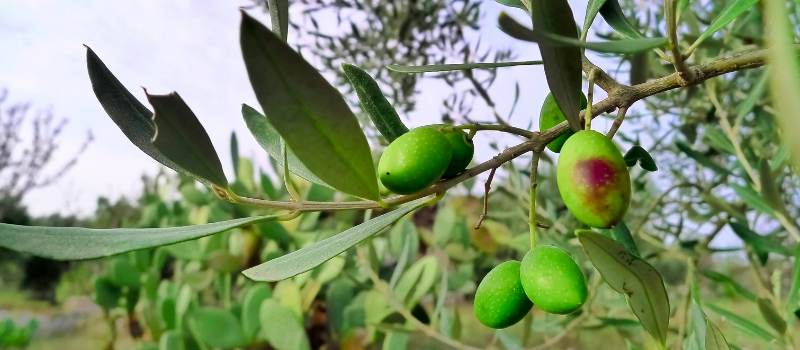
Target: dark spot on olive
x=387 y=173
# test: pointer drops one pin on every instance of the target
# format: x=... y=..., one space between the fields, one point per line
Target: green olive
x=500 y=300
x=415 y=160
x=551 y=116
x=463 y=150
x=553 y=281
x=593 y=179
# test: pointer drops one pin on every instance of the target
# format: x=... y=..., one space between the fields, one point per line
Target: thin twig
x=486 y=188
x=617 y=122
x=532 y=214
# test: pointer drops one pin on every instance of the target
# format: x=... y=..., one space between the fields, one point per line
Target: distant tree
x=24 y=160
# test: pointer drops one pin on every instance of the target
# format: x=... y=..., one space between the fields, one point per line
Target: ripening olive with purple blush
x=593 y=179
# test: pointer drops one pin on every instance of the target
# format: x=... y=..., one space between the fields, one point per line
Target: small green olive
x=553 y=281
x=551 y=116
x=500 y=300
x=593 y=179
x=415 y=160
x=463 y=150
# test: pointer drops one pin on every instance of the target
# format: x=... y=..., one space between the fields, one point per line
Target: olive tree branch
x=619 y=96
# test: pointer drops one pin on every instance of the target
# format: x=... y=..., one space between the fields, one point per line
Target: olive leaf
x=181 y=138
x=632 y=276
x=721 y=206
x=374 y=103
x=416 y=281
x=518 y=31
x=562 y=64
x=742 y=323
x=279 y=15
x=637 y=154
x=725 y=280
x=752 y=99
x=697 y=328
x=76 y=243
x=769 y=191
x=513 y=3
x=700 y=158
x=682 y=6
x=130 y=115
x=270 y=141
x=715 y=340
x=622 y=235
x=727 y=15
x=235 y=152
x=758 y=242
x=752 y=199
x=717 y=139
x=592 y=8
x=771 y=315
x=309 y=114
x=639 y=68
x=612 y=13
x=457 y=66
x=309 y=257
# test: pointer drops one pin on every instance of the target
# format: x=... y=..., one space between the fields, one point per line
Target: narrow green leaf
x=793 y=300
x=405 y=255
x=314 y=255
x=717 y=139
x=417 y=281
x=752 y=98
x=640 y=68
x=592 y=8
x=720 y=278
x=124 y=273
x=283 y=329
x=637 y=154
x=279 y=14
x=77 y=243
x=308 y=113
x=612 y=13
x=632 y=276
x=727 y=15
x=752 y=199
x=719 y=205
x=697 y=329
x=395 y=341
x=771 y=315
x=374 y=103
x=742 y=323
x=235 y=152
x=715 y=340
x=513 y=3
x=682 y=6
x=758 y=242
x=244 y=174
x=457 y=66
x=562 y=64
x=443 y=225
x=622 y=235
x=130 y=115
x=518 y=31
x=269 y=140
x=700 y=158
x=784 y=69
x=181 y=138
x=769 y=191
x=217 y=327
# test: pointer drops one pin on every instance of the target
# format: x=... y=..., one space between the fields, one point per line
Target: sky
x=186 y=46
